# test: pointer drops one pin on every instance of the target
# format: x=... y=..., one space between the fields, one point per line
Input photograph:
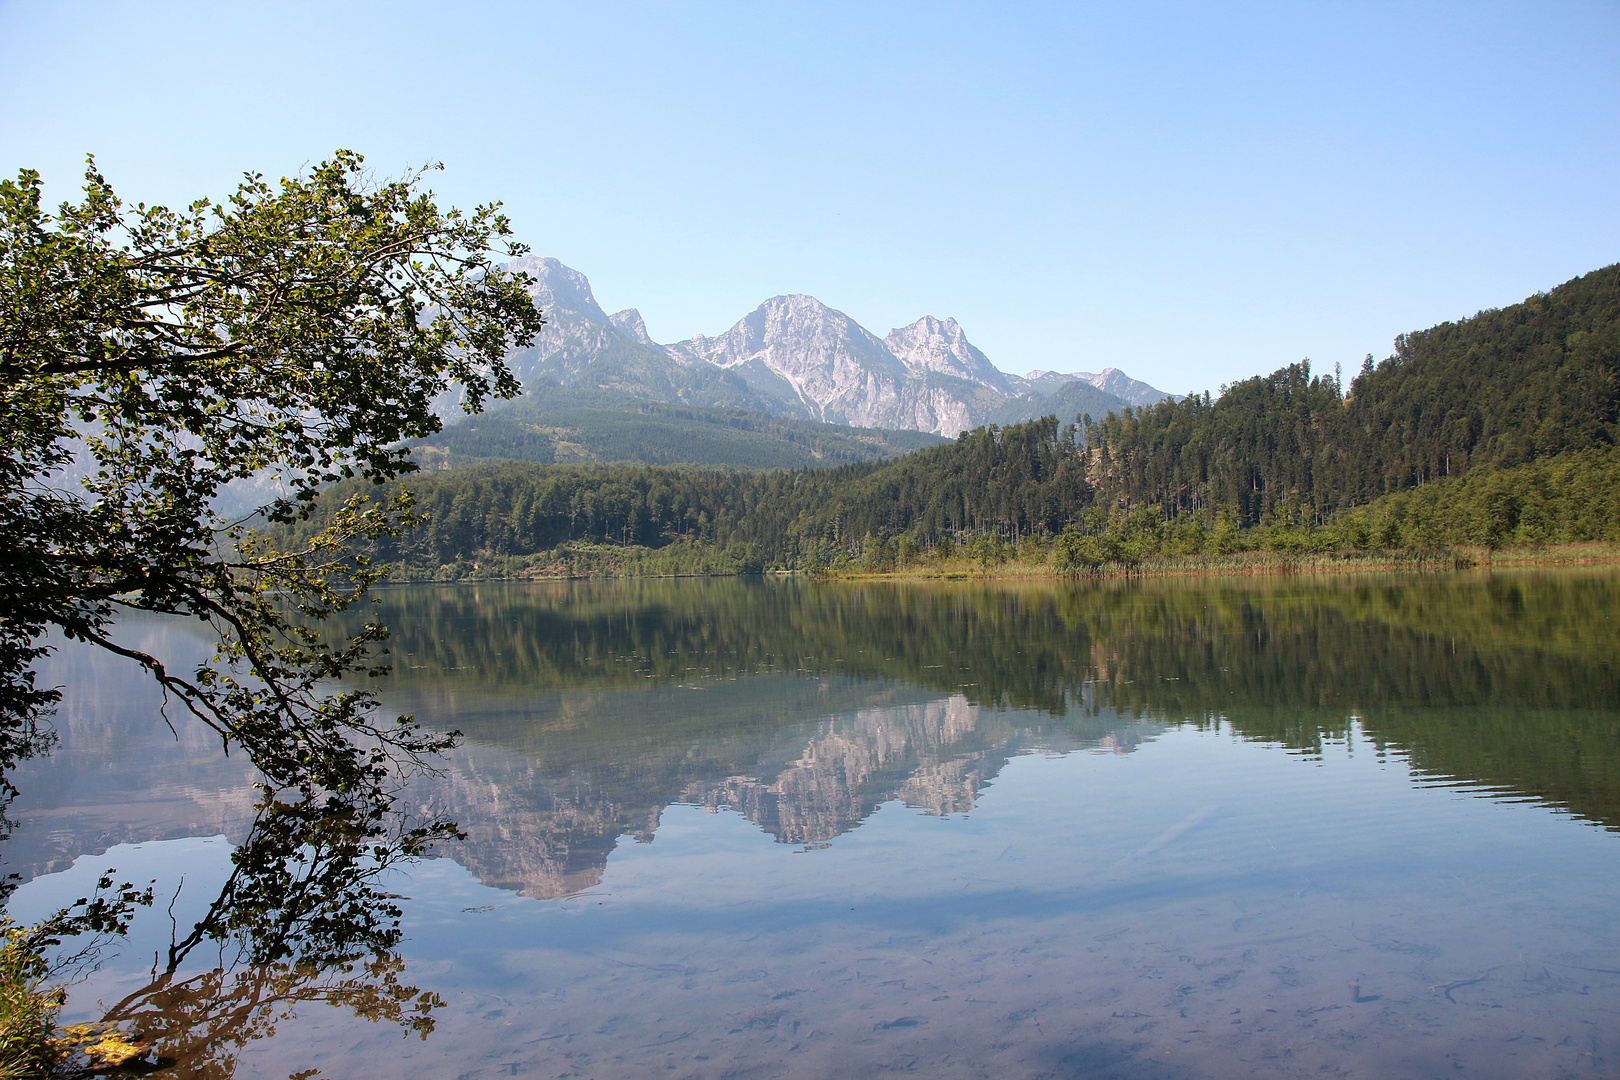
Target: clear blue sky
x=1191 y=192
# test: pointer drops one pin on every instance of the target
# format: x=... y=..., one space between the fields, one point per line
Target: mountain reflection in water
x=543 y=823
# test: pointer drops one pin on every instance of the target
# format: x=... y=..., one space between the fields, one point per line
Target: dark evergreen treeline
x=1506 y=387
x=1016 y=480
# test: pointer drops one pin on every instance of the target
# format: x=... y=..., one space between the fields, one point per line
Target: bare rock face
x=559 y=286
x=841 y=373
x=944 y=409
x=628 y=322
x=836 y=369
x=582 y=347
x=568 y=345
x=1121 y=385
x=931 y=344
x=578 y=333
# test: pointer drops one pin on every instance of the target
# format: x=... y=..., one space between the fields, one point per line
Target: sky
x=1191 y=192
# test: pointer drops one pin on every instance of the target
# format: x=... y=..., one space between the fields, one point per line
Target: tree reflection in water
x=302 y=919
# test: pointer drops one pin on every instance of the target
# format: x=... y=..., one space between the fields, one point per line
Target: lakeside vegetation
x=1507 y=387
x=1487 y=439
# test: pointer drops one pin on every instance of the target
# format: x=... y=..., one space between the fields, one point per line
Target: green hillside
x=1028 y=478
x=555 y=424
x=1506 y=387
x=637 y=370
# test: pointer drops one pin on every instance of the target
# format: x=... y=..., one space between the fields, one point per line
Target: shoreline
x=1271 y=564
x=1235 y=564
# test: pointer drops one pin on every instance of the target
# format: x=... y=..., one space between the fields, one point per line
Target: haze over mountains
x=795 y=357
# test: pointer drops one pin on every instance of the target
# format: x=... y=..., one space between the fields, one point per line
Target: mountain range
x=795 y=357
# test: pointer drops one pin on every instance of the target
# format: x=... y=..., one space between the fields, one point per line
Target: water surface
x=775 y=828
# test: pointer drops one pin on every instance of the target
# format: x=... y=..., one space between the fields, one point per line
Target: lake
x=778 y=828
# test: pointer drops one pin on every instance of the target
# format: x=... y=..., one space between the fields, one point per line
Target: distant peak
x=795 y=302
x=560 y=286
x=938 y=345
x=929 y=324
x=1080 y=376
x=796 y=309
x=629 y=323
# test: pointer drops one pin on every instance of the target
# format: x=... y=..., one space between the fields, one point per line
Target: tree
x=1076 y=553
x=286 y=338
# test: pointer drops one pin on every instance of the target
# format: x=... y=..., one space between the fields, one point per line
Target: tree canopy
x=1507 y=387
x=287 y=337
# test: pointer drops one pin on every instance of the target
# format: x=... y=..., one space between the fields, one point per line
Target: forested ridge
x=1505 y=387
x=1497 y=430
x=1028 y=478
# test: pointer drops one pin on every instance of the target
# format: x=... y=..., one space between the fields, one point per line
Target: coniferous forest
x=1496 y=431
x=1504 y=388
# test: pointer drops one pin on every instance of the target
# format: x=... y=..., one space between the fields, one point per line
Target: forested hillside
x=553 y=424
x=1029 y=478
x=1505 y=387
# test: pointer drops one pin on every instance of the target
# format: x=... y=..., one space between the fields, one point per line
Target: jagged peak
x=560 y=286
x=1082 y=376
x=946 y=326
x=786 y=314
x=799 y=304
x=629 y=323
x=1110 y=380
x=934 y=344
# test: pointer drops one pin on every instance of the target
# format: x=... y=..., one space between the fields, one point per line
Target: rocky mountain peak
x=628 y=322
x=556 y=285
x=931 y=344
x=795 y=356
x=814 y=355
x=1121 y=385
x=797 y=313
x=1110 y=380
x=797 y=333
